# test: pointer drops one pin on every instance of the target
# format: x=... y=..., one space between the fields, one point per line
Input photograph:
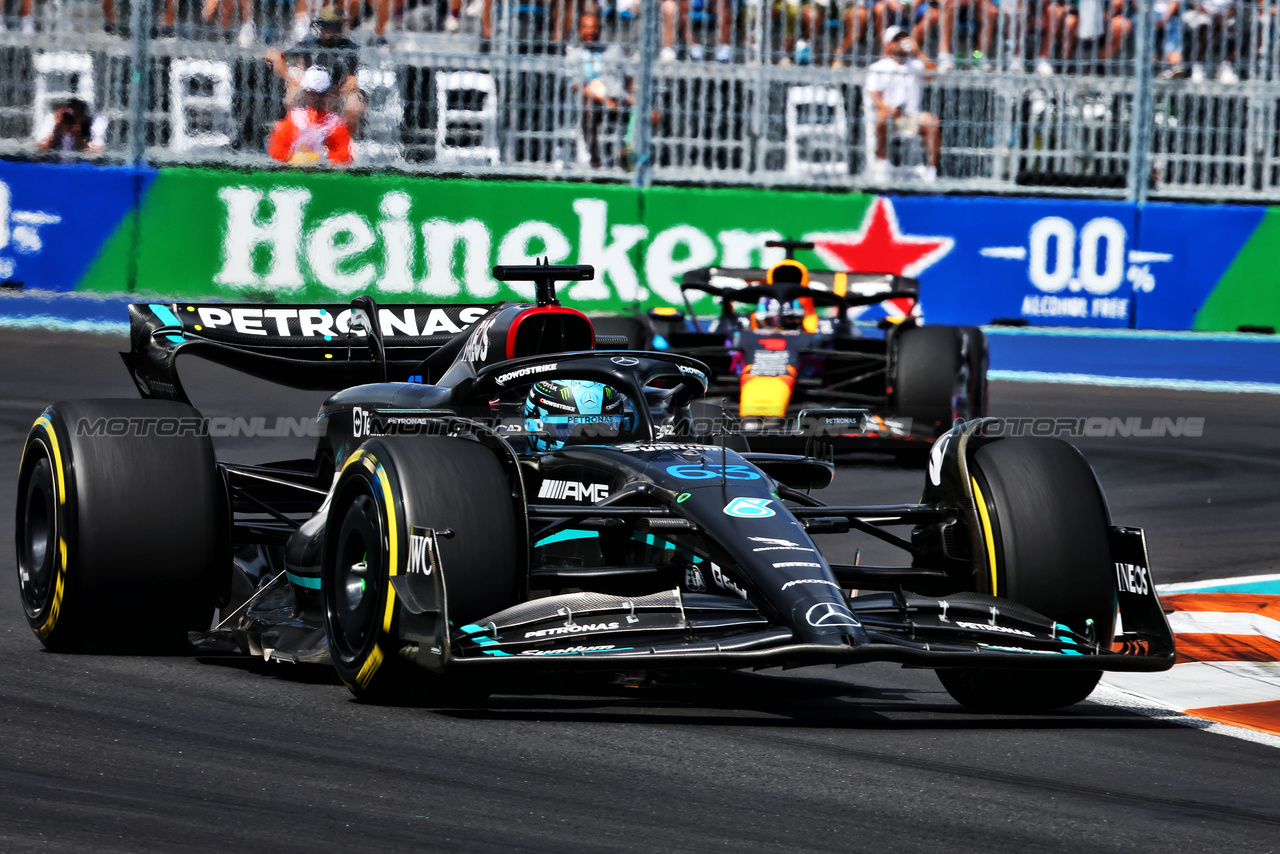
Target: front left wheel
x=387 y=488
x=1045 y=525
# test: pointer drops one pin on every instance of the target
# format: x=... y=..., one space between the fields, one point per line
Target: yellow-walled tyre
x=1046 y=529
x=385 y=488
x=120 y=526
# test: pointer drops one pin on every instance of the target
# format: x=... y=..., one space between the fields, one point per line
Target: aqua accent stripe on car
x=565 y=535
x=303 y=581
x=659 y=543
x=168 y=318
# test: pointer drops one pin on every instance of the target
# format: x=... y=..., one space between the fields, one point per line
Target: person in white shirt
x=894 y=87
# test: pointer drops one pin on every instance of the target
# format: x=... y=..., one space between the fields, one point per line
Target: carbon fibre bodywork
x=640 y=544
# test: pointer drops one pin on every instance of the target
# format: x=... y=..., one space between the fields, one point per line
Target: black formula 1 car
x=782 y=356
x=527 y=502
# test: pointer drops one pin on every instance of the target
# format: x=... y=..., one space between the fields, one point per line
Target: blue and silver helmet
x=556 y=410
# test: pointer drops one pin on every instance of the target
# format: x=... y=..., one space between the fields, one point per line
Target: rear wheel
x=976 y=356
x=931 y=377
x=1046 y=525
x=120 y=526
x=387 y=488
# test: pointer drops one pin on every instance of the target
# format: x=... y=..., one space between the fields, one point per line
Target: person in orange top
x=311 y=131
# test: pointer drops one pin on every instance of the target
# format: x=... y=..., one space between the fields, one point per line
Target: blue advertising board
x=55 y=219
x=1049 y=262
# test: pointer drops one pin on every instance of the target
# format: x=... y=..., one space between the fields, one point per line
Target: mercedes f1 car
x=525 y=501
x=784 y=356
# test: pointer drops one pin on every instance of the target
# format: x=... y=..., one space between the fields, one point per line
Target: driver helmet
x=772 y=314
x=555 y=409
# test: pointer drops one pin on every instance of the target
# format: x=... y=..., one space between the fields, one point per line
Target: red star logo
x=878 y=246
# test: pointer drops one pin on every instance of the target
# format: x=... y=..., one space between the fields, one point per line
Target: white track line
x=1205 y=684
x=1216 y=585
x=1223 y=623
x=56 y=324
x=1137 y=703
x=1134 y=382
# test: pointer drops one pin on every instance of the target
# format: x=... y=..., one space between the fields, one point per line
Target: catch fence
x=1098 y=98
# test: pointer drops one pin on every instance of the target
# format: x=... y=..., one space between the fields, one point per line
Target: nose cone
x=771 y=556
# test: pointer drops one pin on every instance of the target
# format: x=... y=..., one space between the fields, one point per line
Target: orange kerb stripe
x=1197 y=647
x=1249 y=603
x=1264 y=717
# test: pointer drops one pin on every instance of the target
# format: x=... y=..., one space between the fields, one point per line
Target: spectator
x=548 y=13
x=453 y=23
x=925 y=21
x=864 y=16
x=792 y=18
x=978 y=13
x=670 y=10
x=854 y=21
x=1168 y=36
x=1118 y=29
x=111 y=21
x=26 y=20
x=693 y=12
x=226 y=9
x=894 y=88
x=311 y=132
x=1208 y=20
x=1052 y=21
x=330 y=49
x=71 y=128
x=382 y=15
x=1012 y=19
x=1102 y=23
x=597 y=72
x=281 y=19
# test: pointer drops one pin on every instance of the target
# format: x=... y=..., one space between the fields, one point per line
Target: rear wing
x=317 y=347
x=858 y=288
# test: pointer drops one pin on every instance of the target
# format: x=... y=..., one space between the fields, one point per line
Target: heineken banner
x=77 y=236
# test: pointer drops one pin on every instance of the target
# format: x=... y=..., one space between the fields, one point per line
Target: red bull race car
x=796 y=347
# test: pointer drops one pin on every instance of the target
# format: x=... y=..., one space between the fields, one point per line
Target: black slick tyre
x=930 y=378
x=1046 y=525
x=120 y=528
x=977 y=358
x=387 y=488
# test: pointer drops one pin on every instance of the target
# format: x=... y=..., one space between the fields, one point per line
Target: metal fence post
x=1141 y=113
x=651 y=21
x=139 y=79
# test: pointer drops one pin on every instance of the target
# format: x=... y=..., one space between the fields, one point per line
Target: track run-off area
x=213 y=753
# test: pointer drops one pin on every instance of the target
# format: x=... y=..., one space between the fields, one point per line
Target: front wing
x=582 y=631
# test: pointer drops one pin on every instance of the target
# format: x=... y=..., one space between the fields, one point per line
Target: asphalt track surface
x=199 y=753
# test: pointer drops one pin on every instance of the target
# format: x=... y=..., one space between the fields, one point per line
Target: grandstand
x=1094 y=98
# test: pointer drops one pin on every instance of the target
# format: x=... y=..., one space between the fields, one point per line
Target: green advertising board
x=300 y=237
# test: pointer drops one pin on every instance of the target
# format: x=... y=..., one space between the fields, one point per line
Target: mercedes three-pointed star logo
x=830 y=614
